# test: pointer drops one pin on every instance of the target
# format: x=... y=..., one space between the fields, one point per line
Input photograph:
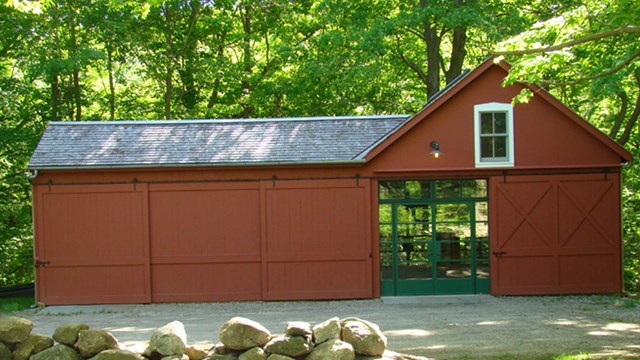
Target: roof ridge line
x=227 y=121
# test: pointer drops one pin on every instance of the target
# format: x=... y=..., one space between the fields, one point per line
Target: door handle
x=498 y=253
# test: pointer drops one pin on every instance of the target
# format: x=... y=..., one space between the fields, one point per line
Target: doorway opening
x=434 y=237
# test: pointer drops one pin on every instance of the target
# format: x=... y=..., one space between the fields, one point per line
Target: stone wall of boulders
x=240 y=338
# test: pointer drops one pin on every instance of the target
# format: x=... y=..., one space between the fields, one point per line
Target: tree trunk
x=458 y=53
x=112 y=85
x=77 y=92
x=432 y=41
x=169 y=62
x=458 y=50
x=248 y=63
x=55 y=97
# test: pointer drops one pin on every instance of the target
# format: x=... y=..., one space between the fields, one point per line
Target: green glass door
x=433 y=237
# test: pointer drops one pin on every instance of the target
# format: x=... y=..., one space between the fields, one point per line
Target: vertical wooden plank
x=264 y=266
x=374 y=235
x=38 y=248
x=146 y=239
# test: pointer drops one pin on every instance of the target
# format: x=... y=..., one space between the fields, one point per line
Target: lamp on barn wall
x=436 y=153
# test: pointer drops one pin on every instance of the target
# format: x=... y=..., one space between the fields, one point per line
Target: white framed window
x=493 y=130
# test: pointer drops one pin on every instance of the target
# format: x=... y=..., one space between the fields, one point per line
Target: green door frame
x=430 y=274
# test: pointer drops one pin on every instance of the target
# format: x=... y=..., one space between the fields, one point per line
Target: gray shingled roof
x=109 y=144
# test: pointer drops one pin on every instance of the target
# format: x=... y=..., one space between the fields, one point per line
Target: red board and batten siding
x=204 y=241
x=557 y=234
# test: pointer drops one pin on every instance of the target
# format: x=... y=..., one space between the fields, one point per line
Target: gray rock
x=195 y=354
x=220 y=349
x=34 y=344
x=58 y=352
x=327 y=330
x=366 y=337
x=5 y=352
x=68 y=333
x=298 y=328
x=241 y=334
x=170 y=339
x=175 y=357
x=333 y=350
x=117 y=355
x=223 y=357
x=91 y=342
x=255 y=353
x=279 y=357
x=14 y=329
x=293 y=346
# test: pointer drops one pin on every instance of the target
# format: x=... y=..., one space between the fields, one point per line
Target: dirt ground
x=483 y=327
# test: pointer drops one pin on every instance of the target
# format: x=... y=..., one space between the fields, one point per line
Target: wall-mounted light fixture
x=436 y=153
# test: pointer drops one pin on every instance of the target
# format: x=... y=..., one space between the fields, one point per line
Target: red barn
x=470 y=195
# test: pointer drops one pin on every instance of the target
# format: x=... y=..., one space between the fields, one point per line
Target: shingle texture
x=210 y=142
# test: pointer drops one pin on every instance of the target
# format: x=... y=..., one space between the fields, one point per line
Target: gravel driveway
x=441 y=328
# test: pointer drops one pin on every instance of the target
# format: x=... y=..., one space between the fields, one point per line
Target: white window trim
x=493 y=107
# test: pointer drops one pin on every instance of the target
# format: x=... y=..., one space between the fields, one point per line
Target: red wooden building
x=470 y=195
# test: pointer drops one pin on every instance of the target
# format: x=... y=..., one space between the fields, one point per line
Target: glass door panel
x=434 y=237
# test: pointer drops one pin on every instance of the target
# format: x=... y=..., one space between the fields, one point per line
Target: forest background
x=77 y=60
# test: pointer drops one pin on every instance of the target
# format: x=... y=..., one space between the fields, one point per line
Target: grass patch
x=15 y=303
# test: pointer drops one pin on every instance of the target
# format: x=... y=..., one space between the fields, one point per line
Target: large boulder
x=241 y=334
x=223 y=357
x=34 y=344
x=5 y=352
x=195 y=354
x=14 y=330
x=255 y=353
x=293 y=346
x=366 y=337
x=279 y=357
x=58 y=352
x=117 y=355
x=91 y=342
x=333 y=350
x=327 y=330
x=170 y=339
x=298 y=328
x=68 y=333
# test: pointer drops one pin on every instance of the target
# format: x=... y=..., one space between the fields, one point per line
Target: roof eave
x=195 y=165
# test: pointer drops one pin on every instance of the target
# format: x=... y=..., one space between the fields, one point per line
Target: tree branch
x=614 y=69
x=624 y=29
x=634 y=116
x=624 y=104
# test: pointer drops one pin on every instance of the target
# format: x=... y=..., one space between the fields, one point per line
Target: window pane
x=482 y=250
x=413 y=213
x=486 y=123
x=482 y=269
x=450 y=250
x=391 y=190
x=482 y=211
x=414 y=271
x=486 y=147
x=404 y=190
x=500 y=124
x=452 y=212
x=418 y=189
x=500 y=146
x=385 y=233
x=384 y=213
x=447 y=189
x=474 y=188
